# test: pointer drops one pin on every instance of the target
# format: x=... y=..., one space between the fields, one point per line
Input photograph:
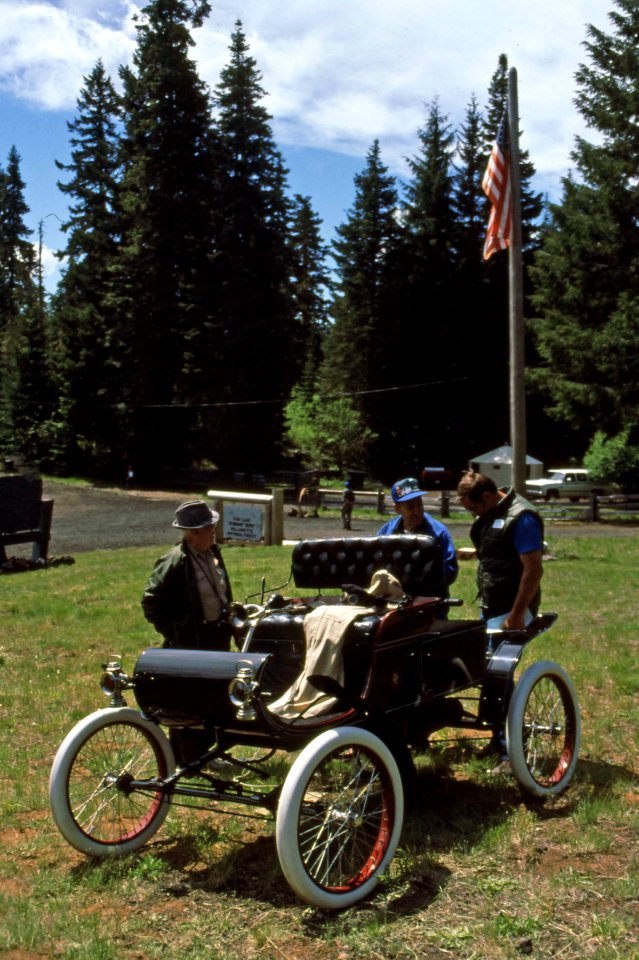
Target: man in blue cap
x=412 y=519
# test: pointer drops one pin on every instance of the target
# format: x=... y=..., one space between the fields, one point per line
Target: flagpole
x=516 y=301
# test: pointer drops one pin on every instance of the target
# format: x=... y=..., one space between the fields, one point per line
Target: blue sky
x=338 y=73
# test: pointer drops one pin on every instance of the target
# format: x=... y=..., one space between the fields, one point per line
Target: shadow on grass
x=598 y=773
x=449 y=811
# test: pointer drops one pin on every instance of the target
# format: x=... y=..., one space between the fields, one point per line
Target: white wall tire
x=339 y=817
x=89 y=802
x=543 y=730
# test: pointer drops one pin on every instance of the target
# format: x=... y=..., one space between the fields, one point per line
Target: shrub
x=614 y=460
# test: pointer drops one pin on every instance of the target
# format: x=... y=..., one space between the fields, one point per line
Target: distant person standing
x=348 y=499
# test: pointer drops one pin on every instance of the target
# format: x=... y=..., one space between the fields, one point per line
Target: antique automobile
x=352 y=709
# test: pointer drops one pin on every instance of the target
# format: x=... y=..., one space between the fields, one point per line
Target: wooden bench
x=25 y=517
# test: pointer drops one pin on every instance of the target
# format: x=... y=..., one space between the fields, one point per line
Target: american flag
x=496 y=186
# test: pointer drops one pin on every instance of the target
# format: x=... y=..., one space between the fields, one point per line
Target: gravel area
x=96 y=517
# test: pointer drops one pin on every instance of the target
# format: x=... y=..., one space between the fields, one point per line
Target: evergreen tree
x=82 y=359
x=17 y=257
x=587 y=325
x=366 y=253
x=311 y=282
x=363 y=252
x=429 y=210
x=255 y=307
x=19 y=412
x=160 y=285
x=478 y=361
x=425 y=333
x=467 y=190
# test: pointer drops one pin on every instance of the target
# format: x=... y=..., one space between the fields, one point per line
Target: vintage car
x=353 y=720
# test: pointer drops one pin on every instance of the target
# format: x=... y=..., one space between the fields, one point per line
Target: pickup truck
x=569 y=482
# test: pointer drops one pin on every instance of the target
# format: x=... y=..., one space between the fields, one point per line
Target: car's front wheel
x=104 y=787
x=339 y=817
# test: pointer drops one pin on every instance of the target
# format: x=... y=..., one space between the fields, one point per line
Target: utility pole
x=516 y=300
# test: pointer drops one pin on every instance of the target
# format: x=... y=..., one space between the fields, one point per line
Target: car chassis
x=339 y=811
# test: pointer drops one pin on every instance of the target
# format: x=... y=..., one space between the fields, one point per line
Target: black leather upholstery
x=416 y=561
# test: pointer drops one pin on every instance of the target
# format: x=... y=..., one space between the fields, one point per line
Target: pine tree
x=161 y=287
x=363 y=252
x=311 y=283
x=20 y=408
x=425 y=333
x=82 y=358
x=366 y=254
x=478 y=362
x=429 y=212
x=253 y=266
x=587 y=272
x=468 y=196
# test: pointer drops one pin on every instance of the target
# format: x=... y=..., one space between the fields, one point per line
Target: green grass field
x=479 y=873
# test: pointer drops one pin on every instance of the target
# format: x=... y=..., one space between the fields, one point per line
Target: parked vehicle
x=436 y=478
x=569 y=482
x=339 y=810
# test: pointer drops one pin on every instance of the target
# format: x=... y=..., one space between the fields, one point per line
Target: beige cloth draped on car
x=324 y=629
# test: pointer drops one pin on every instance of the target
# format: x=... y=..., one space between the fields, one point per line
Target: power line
x=328 y=396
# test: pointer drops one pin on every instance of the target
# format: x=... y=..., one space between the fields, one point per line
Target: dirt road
x=90 y=518
x=94 y=517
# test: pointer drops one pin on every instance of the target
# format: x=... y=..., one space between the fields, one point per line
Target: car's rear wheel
x=543 y=730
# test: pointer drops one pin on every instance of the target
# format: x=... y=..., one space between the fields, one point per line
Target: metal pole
x=516 y=300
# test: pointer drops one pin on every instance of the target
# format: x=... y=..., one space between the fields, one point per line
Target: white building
x=498 y=465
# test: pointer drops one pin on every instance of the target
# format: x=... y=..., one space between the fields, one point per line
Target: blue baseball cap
x=406 y=489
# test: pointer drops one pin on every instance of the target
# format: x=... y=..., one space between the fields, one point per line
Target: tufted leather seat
x=323 y=564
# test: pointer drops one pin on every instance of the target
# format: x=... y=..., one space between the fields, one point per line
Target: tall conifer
x=255 y=307
x=311 y=283
x=425 y=331
x=82 y=360
x=587 y=272
x=20 y=348
x=160 y=291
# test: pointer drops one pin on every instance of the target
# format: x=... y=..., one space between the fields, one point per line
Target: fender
x=500 y=669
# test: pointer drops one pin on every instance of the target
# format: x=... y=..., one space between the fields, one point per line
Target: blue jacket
x=432 y=528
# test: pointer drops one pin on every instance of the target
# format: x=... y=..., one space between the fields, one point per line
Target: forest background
x=201 y=320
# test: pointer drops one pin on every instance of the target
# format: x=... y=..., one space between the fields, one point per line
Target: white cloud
x=46 y=49
x=51 y=267
x=338 y=74
x=342 y=74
